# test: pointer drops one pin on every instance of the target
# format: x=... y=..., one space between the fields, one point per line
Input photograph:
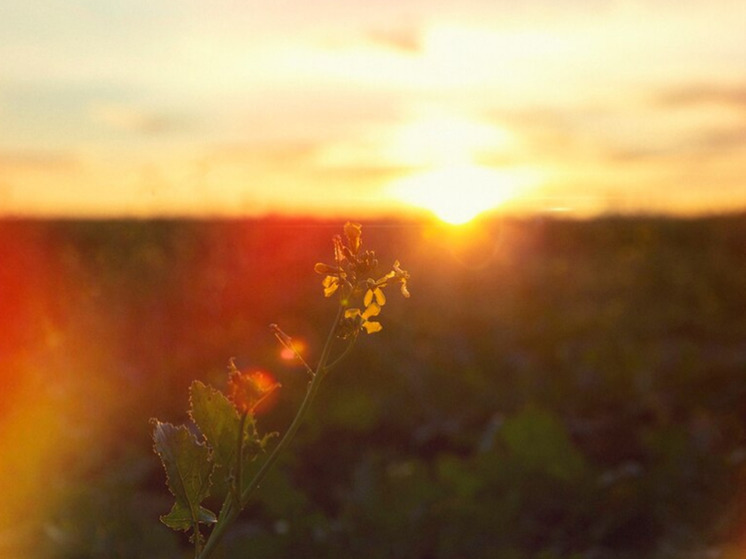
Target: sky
x=359 y=108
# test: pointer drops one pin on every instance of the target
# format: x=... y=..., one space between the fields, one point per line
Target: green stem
x=232 y=512
x=239 y=459
x=197 y=540
x=341 y=356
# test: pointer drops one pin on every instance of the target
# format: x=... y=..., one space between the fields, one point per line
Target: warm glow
x=299 y=347
x=633 y=106
x=436 y=140
x=457 y=194
x=452 y=185
x=254 y=391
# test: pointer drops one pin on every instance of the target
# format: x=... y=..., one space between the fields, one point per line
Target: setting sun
x=458 y=194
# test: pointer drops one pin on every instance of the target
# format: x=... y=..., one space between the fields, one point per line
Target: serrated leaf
x=218 y=421
x=256 y=446
x=187 y=466
x=180 y=518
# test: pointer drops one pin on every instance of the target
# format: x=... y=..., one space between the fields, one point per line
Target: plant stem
x=238 y=481
x=232 y=512
x=341 y=356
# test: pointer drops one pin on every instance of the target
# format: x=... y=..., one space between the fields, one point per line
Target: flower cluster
x=351 y=277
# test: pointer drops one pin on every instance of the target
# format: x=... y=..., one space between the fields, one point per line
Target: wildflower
x=374 y=293
x=352 y=277
x=396 y=275
x=331 y=284
x=354 y=321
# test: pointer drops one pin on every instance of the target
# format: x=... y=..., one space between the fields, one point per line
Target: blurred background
x=553 y=388
x=563 y=180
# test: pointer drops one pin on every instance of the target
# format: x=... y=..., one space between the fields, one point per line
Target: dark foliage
x=552 y=389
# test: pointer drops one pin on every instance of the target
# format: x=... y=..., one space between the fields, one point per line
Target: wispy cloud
x=37 y=160
x=406 y=39
x=134 y=119
x=720 y=140
x=700 y=94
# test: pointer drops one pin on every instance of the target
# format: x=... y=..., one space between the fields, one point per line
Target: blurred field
x=552 y=389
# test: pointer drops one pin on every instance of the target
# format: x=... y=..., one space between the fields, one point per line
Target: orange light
x=289 y=353
x=269 y=385
x=252 y=391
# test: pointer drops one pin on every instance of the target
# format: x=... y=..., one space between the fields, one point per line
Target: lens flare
x=289 y=353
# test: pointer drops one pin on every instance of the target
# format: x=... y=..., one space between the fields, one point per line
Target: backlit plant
x=216 y=458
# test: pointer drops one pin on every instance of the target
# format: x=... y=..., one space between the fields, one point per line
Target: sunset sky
x=156 y=107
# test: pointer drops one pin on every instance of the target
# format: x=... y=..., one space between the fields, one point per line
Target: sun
x=459 y=193
x=446 y=150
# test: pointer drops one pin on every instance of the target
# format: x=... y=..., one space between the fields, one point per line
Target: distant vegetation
x=552 y=389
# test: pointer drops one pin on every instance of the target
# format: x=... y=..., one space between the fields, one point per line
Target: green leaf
x=188 y=470
x=218 y=421
x=180 y=518
x=256 y=445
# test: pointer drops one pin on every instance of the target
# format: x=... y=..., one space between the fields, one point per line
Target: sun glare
x=458 y=194
x=445 y=149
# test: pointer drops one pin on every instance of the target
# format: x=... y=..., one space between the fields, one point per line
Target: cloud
x=133 y=119
x=291 y=154
x=676 y=128
x=406 y=39
x=699 y=94
x=724 y=143
x=723 y=139
x=402 y=38
x=37 y=160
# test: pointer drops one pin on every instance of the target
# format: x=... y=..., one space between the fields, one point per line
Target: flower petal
x=352 y=313
x=374 y=309
x=372 y=327
x=321 y=268
x=379 y=295
x=404 y=290
x=368 y=298
x=330 y=284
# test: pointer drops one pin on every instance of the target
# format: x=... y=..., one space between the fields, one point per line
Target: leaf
x=188 y=470
x=254 y=446
x=248 y=389
x=218 y=421
x=180 y=518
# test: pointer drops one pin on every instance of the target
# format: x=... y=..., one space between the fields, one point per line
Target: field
x=552 y=389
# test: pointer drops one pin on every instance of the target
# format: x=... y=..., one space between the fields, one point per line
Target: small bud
x=281 y=336
x=353 y=232
x=321 y=268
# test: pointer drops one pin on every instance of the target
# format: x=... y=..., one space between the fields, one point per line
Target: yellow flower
x=396 y=275
x=331 y=284
x=361 y=318
x=374 y=292
x=351 y=277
